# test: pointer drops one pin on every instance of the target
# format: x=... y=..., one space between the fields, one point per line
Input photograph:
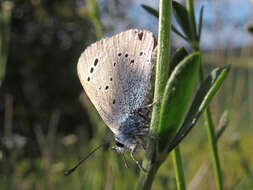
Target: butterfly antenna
x=85 y=158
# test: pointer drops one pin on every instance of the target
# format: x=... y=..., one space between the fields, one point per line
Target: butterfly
x=115 y=74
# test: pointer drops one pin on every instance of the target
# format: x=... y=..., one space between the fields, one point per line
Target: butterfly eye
x=119 y=144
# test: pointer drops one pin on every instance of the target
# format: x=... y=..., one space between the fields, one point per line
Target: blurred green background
x=47 y=123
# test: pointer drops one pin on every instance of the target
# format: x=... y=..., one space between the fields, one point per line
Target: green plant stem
x=5 y=19
x=178 y=168
x=153 y=159
x=146 y=178
x=212 y=140
x=95 y=17
x=163 y=57
x=214 y=148
x=207 y=114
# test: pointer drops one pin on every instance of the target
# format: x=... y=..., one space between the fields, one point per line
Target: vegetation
x=48 y=124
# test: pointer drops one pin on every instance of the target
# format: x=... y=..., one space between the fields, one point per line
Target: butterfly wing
x=115 y=74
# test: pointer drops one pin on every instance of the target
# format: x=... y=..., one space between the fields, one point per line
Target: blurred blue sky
x=223 y=23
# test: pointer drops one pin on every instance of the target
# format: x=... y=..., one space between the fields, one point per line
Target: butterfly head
x=130 y=135
x=124 y=143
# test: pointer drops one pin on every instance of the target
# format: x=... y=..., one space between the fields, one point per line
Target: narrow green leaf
x=192 y=20
x=151 y=10
x=202 y=98
x=200 y=21
x=156 y=14
x=176 y=97
x=174 y=29
x=178 y=56
x=181 y=16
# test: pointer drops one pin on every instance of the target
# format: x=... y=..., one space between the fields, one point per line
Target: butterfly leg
x=135 y=160
x=144 y=111
x=150 y=105
x=140 y=113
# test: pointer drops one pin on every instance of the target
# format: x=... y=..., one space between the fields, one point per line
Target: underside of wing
x=115 y=74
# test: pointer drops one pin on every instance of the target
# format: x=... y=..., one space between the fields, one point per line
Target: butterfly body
x=132 y=132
